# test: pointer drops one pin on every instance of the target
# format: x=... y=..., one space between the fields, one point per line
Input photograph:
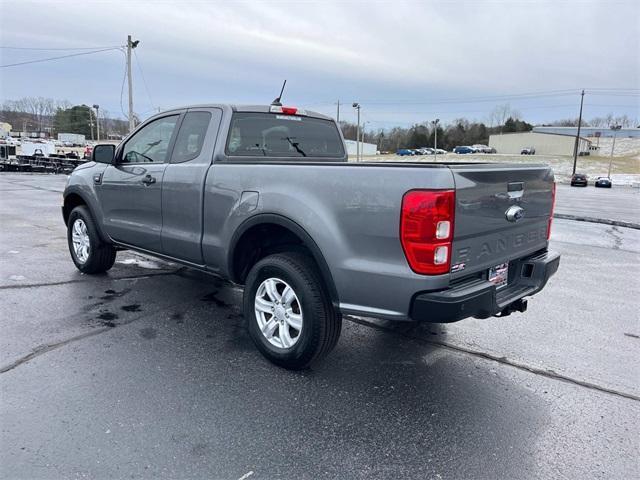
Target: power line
x=547 y=93
x=54 y=49
x=144 y=80
x=624 y=92
x=474 y=100
x=614 y=89
x=58 y=58
x=615 y=94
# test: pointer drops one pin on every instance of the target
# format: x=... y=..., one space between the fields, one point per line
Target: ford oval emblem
x=514 y=213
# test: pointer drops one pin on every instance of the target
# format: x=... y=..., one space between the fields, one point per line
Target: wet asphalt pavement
x=618 y=203
x=147 y=372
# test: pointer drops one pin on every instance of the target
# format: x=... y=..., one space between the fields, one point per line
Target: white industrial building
x=544 y=143
x=365 y=148
x=590 y=131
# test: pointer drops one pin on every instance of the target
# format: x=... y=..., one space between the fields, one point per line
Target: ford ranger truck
x=265 y=196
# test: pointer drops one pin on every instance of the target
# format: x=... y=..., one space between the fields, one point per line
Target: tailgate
x=489 y=227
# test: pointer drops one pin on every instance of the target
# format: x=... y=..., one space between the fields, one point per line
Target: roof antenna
x=276 y=102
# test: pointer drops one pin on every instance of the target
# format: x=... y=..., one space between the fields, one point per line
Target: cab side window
x=151 y=144
x=191 y=136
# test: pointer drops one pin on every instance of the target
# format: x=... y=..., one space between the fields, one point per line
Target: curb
x=605 y=221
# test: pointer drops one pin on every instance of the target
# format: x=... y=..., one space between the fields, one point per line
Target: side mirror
x=103 y=153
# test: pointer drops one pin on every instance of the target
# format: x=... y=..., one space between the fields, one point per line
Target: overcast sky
x=404 y=61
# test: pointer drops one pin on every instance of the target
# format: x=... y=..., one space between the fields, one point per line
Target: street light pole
x=356 y=105
x=435 y=139
x=91 y=123
x=97 y=107
x=615 y=129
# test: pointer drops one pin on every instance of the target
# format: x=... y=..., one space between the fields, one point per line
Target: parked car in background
x=603 y=182
x=528 y=151
x=463 y=149
x=228 y=189
x=404 y=152
x=424 y=151
x=480 y=148
x=579 y=180
x=440 y=151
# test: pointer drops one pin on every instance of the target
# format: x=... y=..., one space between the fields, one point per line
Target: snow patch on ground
x=625 y=147
x=625 y=171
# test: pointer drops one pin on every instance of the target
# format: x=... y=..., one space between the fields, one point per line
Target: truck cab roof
x=247 y=108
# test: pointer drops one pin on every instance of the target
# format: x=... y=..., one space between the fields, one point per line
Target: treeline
x=599 y=122
x=49 y=116
x=458 y=132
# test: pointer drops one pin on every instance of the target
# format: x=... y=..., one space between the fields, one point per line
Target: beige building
x=544 y=143
x=5 y=129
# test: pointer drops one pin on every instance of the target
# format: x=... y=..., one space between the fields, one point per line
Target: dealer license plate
x=499 y=275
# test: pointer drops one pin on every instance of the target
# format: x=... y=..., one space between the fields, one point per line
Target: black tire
x=321 y=322
x=101 y=256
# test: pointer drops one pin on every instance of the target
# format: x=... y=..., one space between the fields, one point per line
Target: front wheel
x=89 y=253
x=290 y=316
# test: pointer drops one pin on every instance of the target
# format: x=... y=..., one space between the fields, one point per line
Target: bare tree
x=499 y=115
x=63 y=105
x=40 y=108
x=624 y=121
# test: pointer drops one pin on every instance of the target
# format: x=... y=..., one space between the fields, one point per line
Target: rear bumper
x=479 y=298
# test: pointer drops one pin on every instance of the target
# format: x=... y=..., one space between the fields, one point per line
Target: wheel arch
x=74 y=198
x=306 y=241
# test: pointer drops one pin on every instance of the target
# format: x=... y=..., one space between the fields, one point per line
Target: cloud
x=196 y=51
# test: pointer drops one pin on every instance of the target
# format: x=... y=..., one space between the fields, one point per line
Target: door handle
x=148 y=180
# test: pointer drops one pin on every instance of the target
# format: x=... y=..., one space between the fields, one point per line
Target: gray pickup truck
x=265 y=196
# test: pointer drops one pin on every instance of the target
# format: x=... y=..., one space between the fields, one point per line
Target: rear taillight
x=426 y=230
x=553 y=206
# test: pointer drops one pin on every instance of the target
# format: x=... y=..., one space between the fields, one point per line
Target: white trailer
x=29 y=148
x=72 y=138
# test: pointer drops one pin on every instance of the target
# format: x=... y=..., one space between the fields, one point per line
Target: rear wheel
x=289 y=314
x=89 y=253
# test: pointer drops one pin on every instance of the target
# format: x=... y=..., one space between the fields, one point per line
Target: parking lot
x=147 y=371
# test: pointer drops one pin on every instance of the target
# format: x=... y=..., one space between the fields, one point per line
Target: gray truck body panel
x=351 y=212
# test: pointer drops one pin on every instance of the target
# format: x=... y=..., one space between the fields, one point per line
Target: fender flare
x=77 y=191
x=300 y=232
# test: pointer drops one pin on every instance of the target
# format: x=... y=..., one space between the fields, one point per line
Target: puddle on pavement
x=142 y=263
x=131 y=308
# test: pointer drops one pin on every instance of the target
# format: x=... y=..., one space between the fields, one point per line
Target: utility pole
x=575 y=148
x=97 y=107
x=615 y=129
x=357 y=107
x=338 y=114
x=435 y=139
x=130 y=46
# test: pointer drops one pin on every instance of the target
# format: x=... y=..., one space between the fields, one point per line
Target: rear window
x=273 y=135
